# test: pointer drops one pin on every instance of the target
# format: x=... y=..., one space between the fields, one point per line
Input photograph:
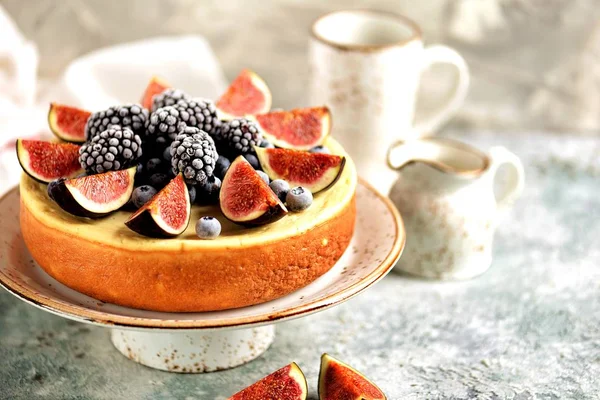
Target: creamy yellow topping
x=112 y=231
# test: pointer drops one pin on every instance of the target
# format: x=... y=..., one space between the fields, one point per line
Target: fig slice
x=300 y=128
x=47 y=161
x=248 y=94
x=245 y=197
x=68 y=123
x=167 y=214
x=94 y=196
x=340 y=381
x=155 y=86
x=287 y=383
x=314 y=171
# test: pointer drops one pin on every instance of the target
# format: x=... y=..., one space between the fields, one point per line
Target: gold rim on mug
x=80 y=312
x=407 y=22
x=469 y=173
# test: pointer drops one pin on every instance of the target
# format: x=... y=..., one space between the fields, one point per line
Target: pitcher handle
x=500 y=156
x=439 y=54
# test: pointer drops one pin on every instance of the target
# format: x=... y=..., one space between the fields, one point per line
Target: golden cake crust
x=107 y=261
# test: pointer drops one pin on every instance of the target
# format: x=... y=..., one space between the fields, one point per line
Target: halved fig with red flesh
x=340 y=381
x=248 y=94
x=167 y=214
x=287 y=383
x=246 y=198
x=301 y=128
x=94 y=196
x=68 y=123
x=155 y=86
x=314 y=171
x=47 y=161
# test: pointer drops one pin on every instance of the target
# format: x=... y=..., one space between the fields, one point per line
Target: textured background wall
x=536 y=64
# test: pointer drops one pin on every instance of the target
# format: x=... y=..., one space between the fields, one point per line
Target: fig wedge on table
x=287 y=383
x=340 y=381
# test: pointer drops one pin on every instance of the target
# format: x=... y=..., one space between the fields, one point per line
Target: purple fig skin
x=273 y=214
x=65 y=200
x=145 y=225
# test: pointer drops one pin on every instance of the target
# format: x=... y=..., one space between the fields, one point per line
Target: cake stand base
x=193 y=351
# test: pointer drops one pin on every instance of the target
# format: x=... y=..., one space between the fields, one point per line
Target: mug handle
x=445 y=55
x=500 y=156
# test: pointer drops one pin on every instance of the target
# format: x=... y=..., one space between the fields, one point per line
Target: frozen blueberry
x=167 y=154
x=208 y=228
x=298 y=199
x=319 y=149
x=266 y=144
x=153 y=165
x=264 y=177
x=208 y=193
x=159 y=180
x=142 y=194
x=192 y=193
x=221 y=167
x=280 y=188
x=251 y=158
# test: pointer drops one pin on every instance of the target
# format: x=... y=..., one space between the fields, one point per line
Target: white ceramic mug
x=366 y=67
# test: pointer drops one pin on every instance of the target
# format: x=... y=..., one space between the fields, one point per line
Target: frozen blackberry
x=240 y=135
x=111 y=150
x=166 y=123
x=132 y=116
x=194 y=154
x=168 y=98
x=199 y=113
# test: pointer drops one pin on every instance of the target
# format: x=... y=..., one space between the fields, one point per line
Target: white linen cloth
x=100 y=79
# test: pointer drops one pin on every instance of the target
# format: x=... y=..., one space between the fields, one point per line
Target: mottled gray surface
x=527 y=329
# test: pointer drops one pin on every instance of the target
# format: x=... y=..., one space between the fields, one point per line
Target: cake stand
x=208 y=341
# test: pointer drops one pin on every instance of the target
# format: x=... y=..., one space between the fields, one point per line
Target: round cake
x=104 y=259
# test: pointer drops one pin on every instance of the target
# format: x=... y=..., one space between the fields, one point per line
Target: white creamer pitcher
x=445 y=193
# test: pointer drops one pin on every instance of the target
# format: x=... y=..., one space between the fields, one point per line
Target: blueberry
x=221 y=167
x=298 y=199
x=266 y=144
x=52 y=187
x=159 y=180
x=208 y=228
x=167 y=154
x=192 y=193
x=251 y=158
x=153 y=166
x=142 y=194
x=319 y=149
x=264 y=177
x=208 y=193
x=280 y=188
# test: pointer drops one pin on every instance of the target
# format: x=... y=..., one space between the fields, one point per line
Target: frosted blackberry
x=240 y=135
x=132 y=116
x=165 y=122
x=168 y=98
x=193 y=153
x=111 y=150
x=199 y=113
